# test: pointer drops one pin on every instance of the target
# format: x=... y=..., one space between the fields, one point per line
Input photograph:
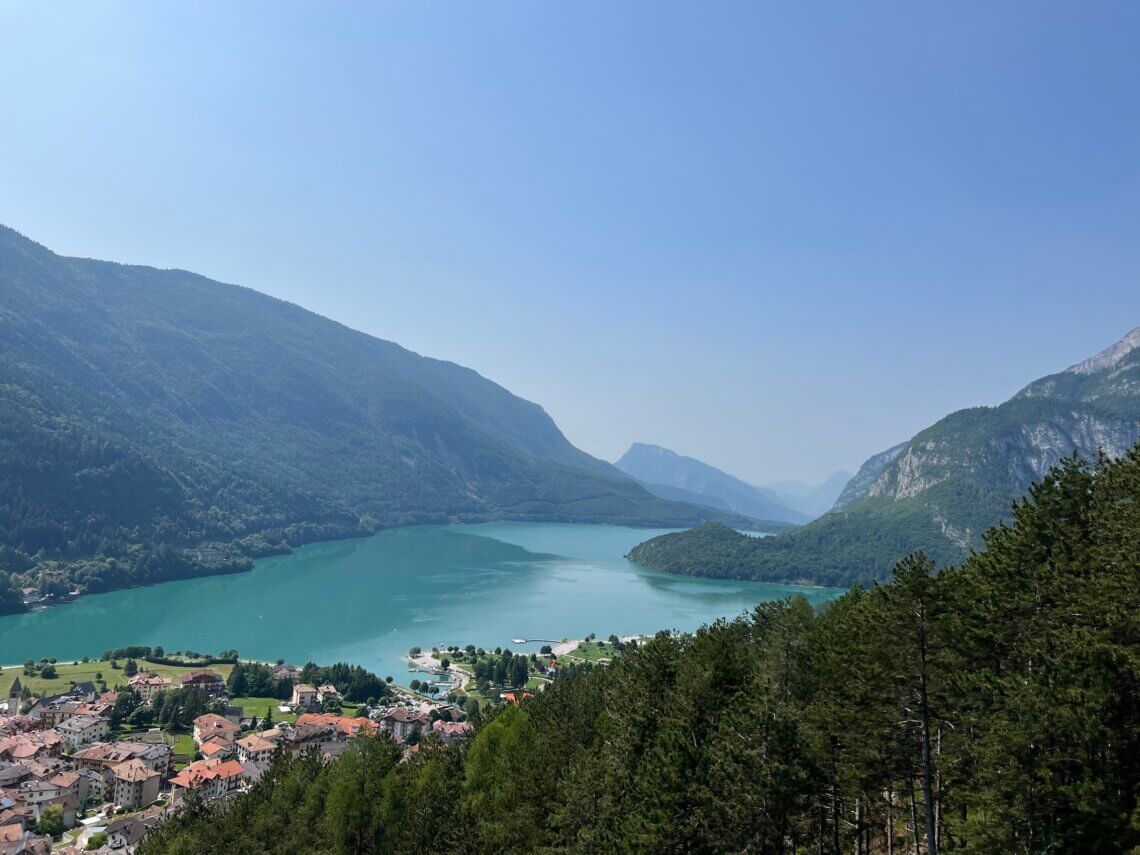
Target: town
x=94 y=754
x=93 y=764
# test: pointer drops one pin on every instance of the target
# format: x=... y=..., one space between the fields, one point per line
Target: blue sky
x=778 y=237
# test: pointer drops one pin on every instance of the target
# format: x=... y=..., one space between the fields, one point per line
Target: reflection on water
x=368 y=600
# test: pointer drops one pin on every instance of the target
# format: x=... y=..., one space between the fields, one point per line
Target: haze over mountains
x=142 y=407
x=941 y=490
x=812 y=500
x=670 y=475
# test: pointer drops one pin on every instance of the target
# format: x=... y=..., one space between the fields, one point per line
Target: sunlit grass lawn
x=181 y=743
x=252 y=706
x=590 y=651
x=83 y=671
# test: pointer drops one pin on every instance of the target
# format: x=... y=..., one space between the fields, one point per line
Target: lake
x=367 y=600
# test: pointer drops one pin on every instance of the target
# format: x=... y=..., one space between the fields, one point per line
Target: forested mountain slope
x=942 y=489
x=661 y=470
x=143 y=411
x=988 y=708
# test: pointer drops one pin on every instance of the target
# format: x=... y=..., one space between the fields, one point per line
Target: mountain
x=940 y=490
x=657 y=468
x=155 y=423
x=870 y=470
x=811 y=500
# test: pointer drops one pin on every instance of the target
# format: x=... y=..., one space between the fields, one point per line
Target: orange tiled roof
x=215 y=722
x=348 y=726
x=254 y=742
x=207 y=770
x=212 y=747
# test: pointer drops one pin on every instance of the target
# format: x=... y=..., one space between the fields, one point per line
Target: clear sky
x=776 y=236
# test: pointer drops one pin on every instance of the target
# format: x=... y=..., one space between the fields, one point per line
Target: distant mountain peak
x=650 y=448
x=663 y=472
x=1110 y=357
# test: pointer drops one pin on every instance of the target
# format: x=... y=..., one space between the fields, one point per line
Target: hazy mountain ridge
x=141 y=406
x=942 y=489
x=653 y=465
x=812 y=500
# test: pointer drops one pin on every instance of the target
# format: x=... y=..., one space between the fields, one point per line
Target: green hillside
x=940 y=491
x=146 y=412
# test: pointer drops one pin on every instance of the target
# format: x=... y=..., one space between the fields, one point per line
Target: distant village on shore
x=94 y=754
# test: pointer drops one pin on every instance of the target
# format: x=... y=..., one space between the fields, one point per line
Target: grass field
x=590 y=651
x=82 y=671
x=257 y=707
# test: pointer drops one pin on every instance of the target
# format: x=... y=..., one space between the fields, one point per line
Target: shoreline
x=68 y=599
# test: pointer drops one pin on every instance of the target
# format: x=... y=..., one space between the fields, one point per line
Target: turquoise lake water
x=366 y=601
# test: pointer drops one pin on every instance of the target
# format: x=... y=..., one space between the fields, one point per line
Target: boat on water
x=518 y=641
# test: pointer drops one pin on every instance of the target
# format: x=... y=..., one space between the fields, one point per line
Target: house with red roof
x=212 y=725
x=212 y=779
x=348 y=727
x=217 y=747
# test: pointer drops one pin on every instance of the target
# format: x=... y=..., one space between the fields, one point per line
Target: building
x=205 y=681
x=135 y=784
x=38 y=792
x=213 y=725
x=286 y=672
x=327 y=693
x=213 y=779
x=107 y=755
x=15 y=696
x=217 y=747
x=451 y=731
x=126 y=832
x=71 y=783
x=347 y=727
x=82 y=730
x=400 y=723
x=52 y=711
x=16 y=840
x=56 y=708
x=148 y=685
x=302 y=736
x=34 y=745
x=257 y=751
x=305 y=697
x=97 y=763
x=32 y=596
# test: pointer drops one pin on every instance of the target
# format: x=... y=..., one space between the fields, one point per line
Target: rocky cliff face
x=969 y=466
x=858 y=486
